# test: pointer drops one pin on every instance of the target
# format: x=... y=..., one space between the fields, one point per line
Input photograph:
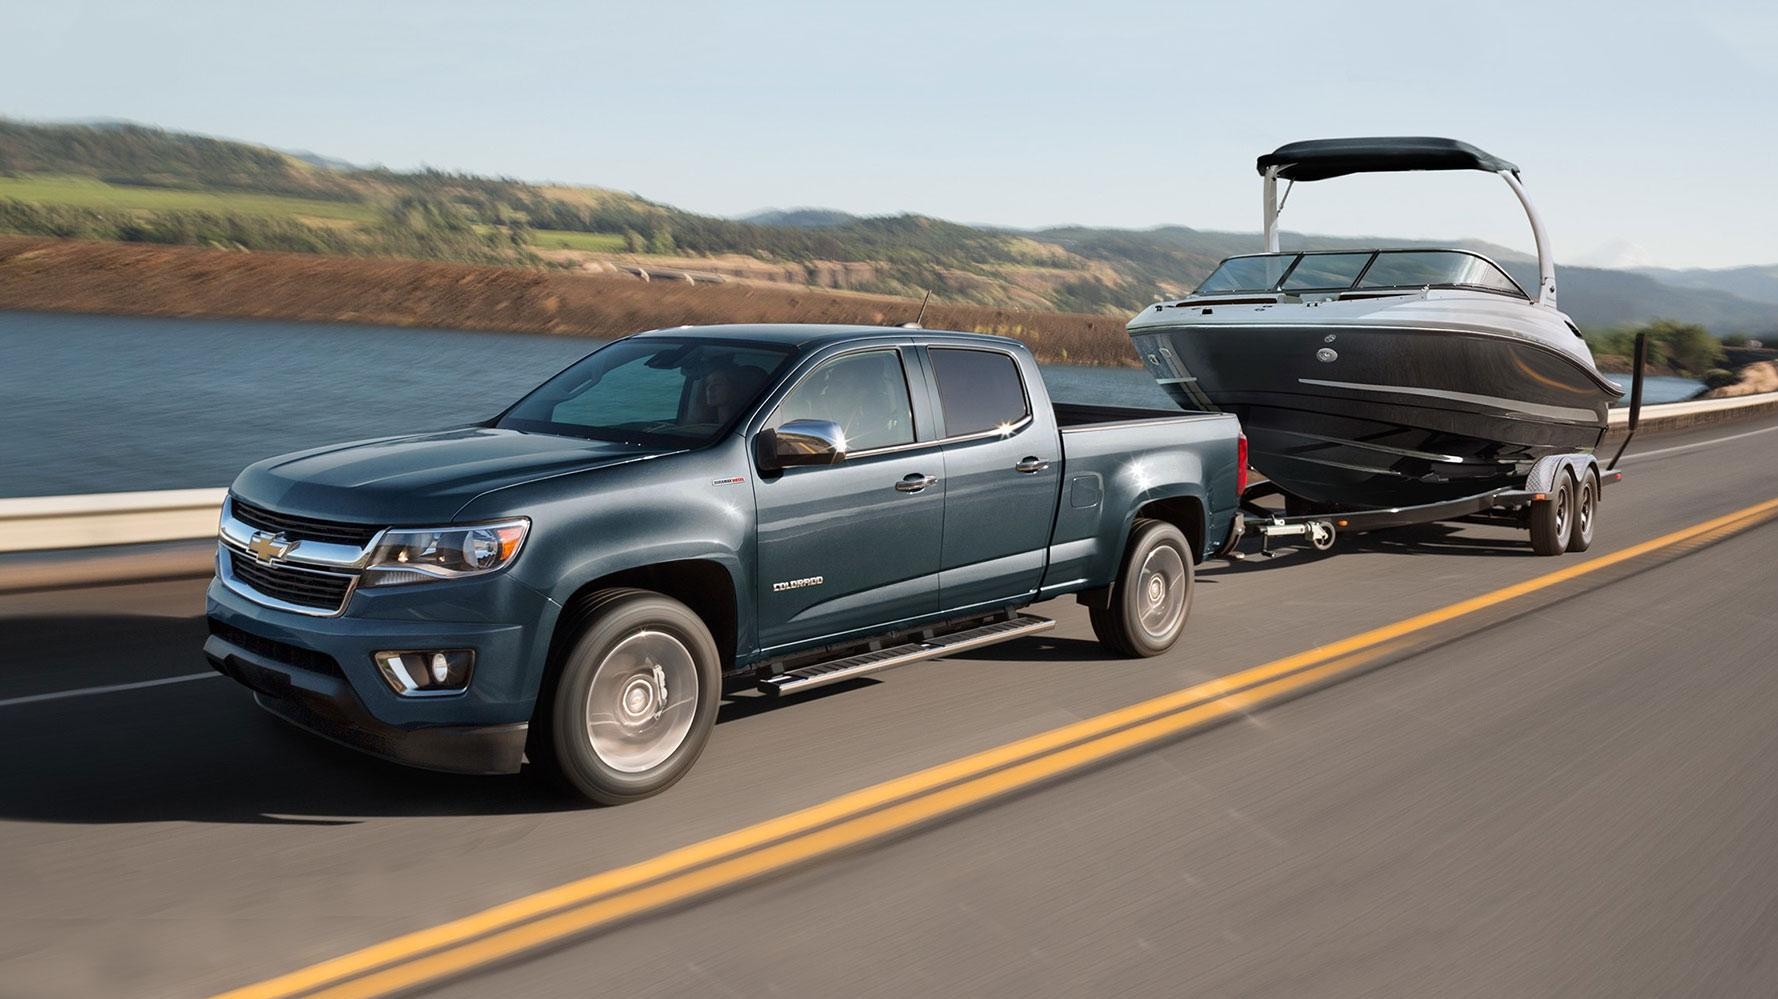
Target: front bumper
x=329 y=710
x=317 y=672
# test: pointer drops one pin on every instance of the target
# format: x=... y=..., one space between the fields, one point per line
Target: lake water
x=117 y=403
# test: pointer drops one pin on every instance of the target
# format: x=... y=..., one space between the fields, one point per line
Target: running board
x=836 y=670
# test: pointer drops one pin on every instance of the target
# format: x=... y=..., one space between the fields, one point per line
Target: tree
x=1687 y=346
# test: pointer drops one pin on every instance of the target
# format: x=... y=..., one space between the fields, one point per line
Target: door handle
x=914 y=482
x=1031 y=465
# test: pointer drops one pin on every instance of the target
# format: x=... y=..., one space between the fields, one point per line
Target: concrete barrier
x=47 y=523
x=50 y=523
x=1698 y=412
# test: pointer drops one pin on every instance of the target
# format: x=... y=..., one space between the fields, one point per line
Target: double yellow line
x=895 y=806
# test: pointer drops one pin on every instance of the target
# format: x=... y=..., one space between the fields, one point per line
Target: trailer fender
x=1543 y=474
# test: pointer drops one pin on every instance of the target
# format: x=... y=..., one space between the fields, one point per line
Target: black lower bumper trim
x=479 y=749
x=329 y=708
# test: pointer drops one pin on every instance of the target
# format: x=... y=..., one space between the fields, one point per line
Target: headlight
x=407 y=555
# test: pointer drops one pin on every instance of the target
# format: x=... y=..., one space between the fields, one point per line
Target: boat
x=1381 y=377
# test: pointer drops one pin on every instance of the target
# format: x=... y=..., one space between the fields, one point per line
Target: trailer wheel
x=1586 y=512
x=634 y=701
x=1152 y=595
x=1552 y=520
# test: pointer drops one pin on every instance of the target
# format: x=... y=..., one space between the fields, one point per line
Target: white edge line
x=1637 y=455
x=109 y=689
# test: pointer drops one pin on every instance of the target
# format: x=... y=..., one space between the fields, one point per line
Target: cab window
x=979 y=390
x=865 y=393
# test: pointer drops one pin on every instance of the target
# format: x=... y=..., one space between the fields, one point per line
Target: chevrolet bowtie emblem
x=269 y=547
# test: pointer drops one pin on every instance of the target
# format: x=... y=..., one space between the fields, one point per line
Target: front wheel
x=635 y=699
x=1152 y=595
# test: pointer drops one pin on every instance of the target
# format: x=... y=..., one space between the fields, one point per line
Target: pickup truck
x=578 y=582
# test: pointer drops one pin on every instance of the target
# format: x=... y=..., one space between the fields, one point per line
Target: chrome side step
x=835 y=670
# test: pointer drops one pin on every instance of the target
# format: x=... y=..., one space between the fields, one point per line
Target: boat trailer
x=1541 y=486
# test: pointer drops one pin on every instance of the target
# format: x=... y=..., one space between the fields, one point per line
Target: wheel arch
x=1184 y=511
x=704 y=585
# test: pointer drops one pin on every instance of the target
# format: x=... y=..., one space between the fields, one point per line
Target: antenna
x=915 y=325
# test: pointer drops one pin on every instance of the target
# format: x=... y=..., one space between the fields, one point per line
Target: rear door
x=1002 y=471
x=854 y=545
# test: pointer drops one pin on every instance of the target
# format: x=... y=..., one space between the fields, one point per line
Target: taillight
x=1241 y=467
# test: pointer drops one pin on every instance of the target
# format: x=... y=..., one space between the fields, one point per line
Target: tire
x=1552 y=520
x=1152 y=596
x=1586 y=513
x=608 y=729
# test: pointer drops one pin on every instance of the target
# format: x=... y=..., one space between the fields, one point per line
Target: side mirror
x=800 y=442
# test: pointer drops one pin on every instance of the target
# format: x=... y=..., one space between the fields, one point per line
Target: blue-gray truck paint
x=982 y=539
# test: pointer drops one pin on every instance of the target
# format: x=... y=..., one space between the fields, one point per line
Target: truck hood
x=418 y=479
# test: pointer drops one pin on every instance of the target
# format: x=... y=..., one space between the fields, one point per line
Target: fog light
x=416 y=673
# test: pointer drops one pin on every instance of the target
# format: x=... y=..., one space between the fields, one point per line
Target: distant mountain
x=800 y=218
x=1598 y=298
x=1759 y=284
x=120 y=180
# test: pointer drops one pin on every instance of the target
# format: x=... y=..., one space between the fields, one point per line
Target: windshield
x=652 y=392
x=1341 y=271
x=1246 y=274
x=1420 y=268
x=1325 y=271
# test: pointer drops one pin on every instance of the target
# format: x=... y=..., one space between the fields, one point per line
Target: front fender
x=693 y=505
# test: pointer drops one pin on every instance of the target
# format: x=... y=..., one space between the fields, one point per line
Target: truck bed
x=1115 y=459
x=1071 y=415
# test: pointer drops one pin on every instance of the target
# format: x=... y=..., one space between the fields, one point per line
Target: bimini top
x=1321 y=159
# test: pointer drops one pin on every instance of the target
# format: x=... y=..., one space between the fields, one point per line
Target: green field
x=556 y=239
x=82 y=192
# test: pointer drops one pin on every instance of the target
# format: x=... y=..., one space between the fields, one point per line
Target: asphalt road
x=1571 y=792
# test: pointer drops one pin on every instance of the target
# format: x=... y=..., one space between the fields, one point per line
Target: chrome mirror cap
x=803 y=442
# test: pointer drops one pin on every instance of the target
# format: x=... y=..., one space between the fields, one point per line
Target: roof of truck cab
x=810 y=336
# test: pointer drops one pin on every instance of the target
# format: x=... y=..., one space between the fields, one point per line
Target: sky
x=1640 y=127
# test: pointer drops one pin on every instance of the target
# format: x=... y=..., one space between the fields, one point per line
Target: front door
x=852 y=546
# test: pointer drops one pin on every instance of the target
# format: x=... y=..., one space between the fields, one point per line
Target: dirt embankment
x=137 y=279
x=1756 y=378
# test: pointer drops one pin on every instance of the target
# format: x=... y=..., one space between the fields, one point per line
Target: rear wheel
x=1586 y=511
x=635 y=699
x=1552 y=520
x=1151 y=597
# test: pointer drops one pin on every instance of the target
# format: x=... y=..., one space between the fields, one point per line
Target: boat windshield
x=1247 y=274
x=1362 y=269
x=1443 y=268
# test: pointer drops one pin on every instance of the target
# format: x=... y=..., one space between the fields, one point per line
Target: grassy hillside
x=87 y=192
x=137 y=184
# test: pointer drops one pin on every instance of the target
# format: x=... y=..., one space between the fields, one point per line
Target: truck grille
x=302 y=528
x=304 y=587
